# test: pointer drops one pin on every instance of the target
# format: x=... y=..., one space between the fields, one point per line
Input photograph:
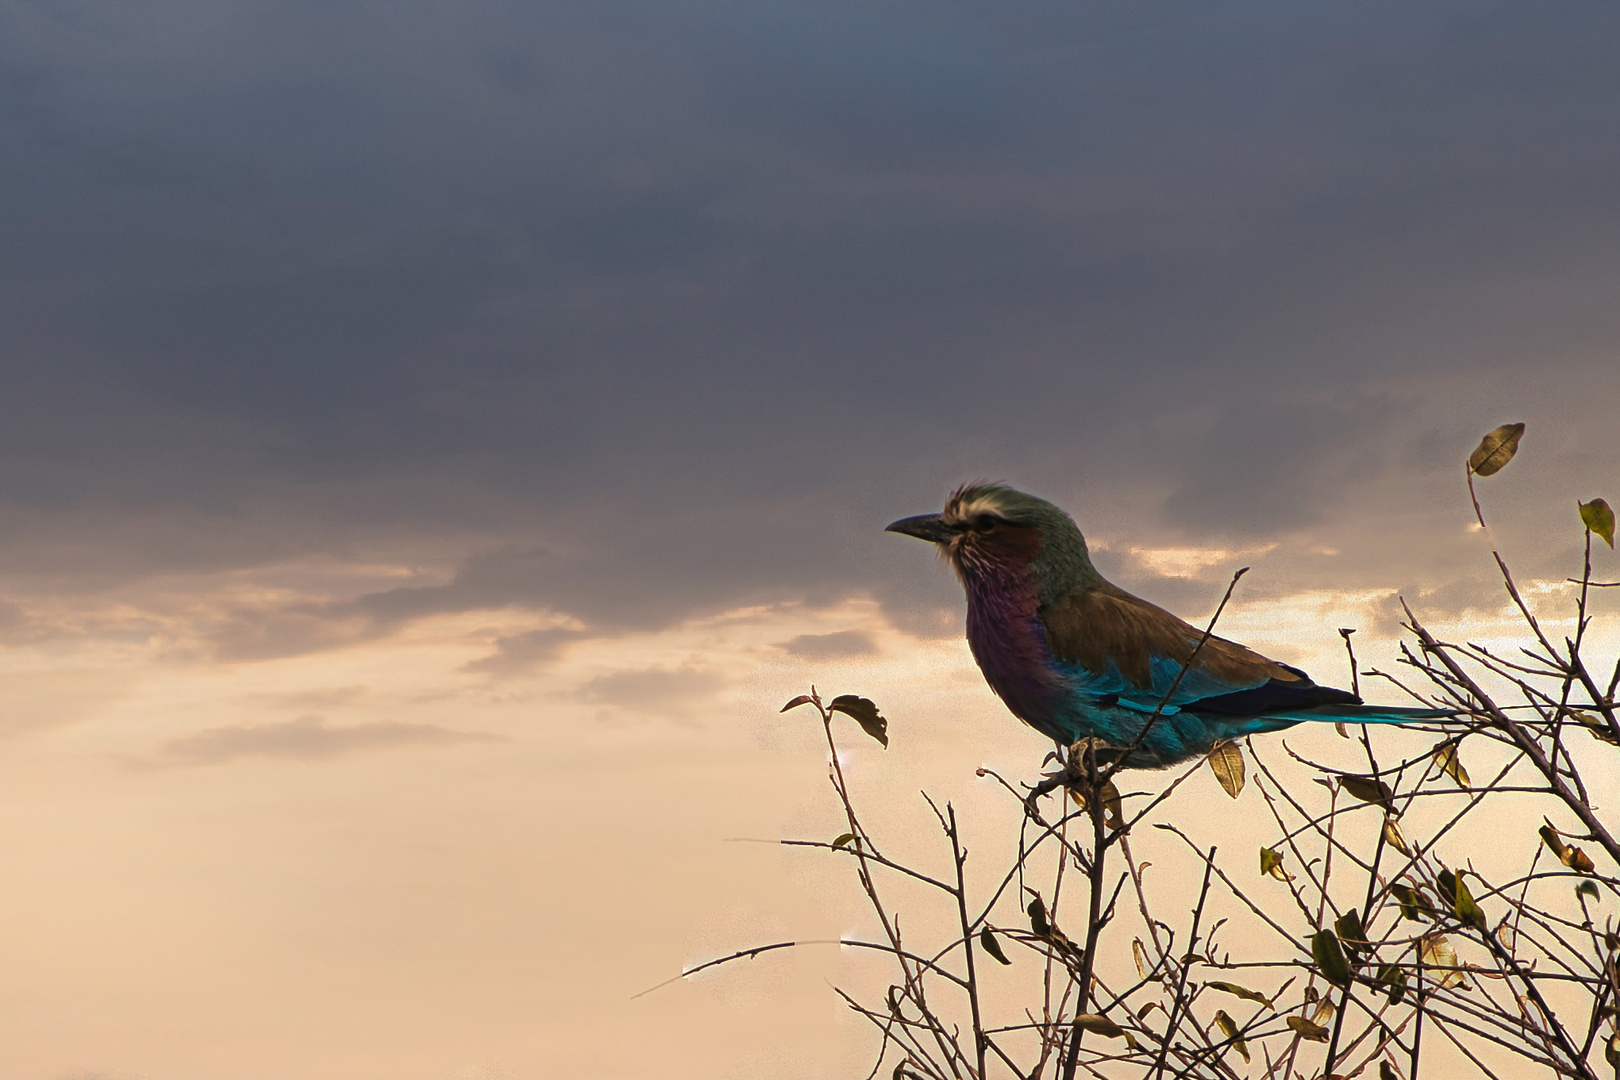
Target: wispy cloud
x=310 y=738
x=832 y=646
x=518 y=653
x=656 y=689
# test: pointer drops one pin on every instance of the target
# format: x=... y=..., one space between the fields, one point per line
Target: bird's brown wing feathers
x=1107 y=626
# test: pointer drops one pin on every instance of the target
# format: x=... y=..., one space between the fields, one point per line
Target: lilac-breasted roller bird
x=1075 y=656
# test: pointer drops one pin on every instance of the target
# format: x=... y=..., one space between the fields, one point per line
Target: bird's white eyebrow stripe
x=958 y=510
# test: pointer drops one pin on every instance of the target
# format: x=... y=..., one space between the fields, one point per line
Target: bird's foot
x=1042 y=789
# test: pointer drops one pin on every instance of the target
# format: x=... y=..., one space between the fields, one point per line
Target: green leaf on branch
x=1351 y=933
x=1462 y=901
x=988 y=942
x=1587 y=888
x=1038 y=921
x=1226 y=762
x=1393 y=976
x=1271 y=864
x=802 y=699
x=864 y=713
x=1307 y=1030
x=1598 y=519
x=1243 y=992
x=1414 y=902
x=1230 y=1029
x=1445 y=756
x=846 y=838
x=1043 y=927
x=1330 y=958
x=1139 y=955
x=1495 y=450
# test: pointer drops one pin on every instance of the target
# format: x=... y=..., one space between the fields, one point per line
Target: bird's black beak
x=930 y=527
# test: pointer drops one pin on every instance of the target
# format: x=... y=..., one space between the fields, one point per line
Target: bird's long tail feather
x=1371 y=714
x=1340 y=714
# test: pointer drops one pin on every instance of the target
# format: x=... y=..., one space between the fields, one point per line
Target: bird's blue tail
x=1340 y=714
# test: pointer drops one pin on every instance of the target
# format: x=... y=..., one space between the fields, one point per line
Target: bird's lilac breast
x=1007 y=640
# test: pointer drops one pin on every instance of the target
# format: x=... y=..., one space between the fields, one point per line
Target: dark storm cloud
x=672 y=308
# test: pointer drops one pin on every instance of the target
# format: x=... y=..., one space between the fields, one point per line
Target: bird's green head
x=988 y=528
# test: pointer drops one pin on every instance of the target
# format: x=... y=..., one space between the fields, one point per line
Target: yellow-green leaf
x=1230 y=1029
x=1243 y=992
x=1568 y=854
x=1368 y=790
x=1110 y=801
x=1496 y=450
x=988 y=942
x=846 y=838
x=1611 y=1050
x=1598 y=518
x=1226 y=762
x=1462 y=901
x=1139 y=954
x=1594 y=724
x=1438 y=954
x=1324 y=1011
x=1308 y=1030
x=1329 y=958
x=1587 y=888
x=1099 y=1025
x=1394 y=837
x=802 y=699
x=1271 y=863
x=1445 y=756
x=864 y=713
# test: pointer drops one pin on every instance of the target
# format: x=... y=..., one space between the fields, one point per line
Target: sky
x=436 y=437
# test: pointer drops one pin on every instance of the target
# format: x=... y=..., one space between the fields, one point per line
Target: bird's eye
x=985 y=523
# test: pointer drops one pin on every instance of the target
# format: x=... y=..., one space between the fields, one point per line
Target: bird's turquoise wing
x=1123 y=650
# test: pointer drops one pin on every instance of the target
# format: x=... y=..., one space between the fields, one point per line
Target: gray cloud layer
x=667 y=308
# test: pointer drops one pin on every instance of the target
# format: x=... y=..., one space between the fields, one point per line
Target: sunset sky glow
x=438 y=437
